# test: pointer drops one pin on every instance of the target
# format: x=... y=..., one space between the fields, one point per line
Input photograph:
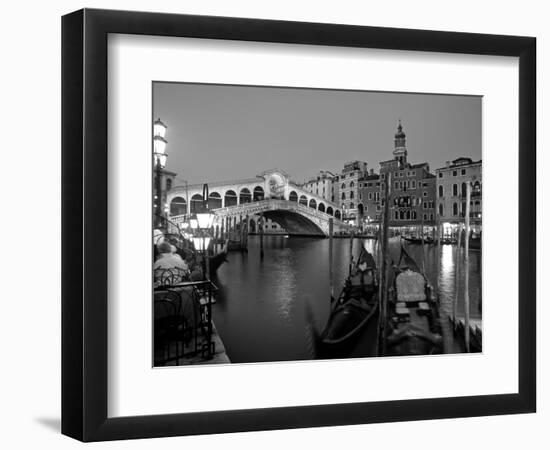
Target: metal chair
x=170 y=327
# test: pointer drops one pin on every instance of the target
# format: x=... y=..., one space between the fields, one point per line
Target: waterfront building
x=369 y=206
x=322 y=185
x=348 y=190
x=166 y=182
x=451 y=192
x=413 y=187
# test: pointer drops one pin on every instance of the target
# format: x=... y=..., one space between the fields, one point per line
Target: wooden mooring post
x=261 y=221
x=457 y=273
x=467 y=270
x=330 y=262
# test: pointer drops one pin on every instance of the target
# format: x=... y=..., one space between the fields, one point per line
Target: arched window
x=230 y=198
x=414 y=215
x=293 y=197
x=351 y=185
x=360 y=209
x=343 y=195
x=330 y=211
x=168 y=184
x=245 y=196
x=178 y=206
x=408 y=215
x=463 y=209
x=214 y=200
x=441 y=191
x=464 y=190
x=196 y=203
x=343 y=186
x=351 y=205
x=303 y=200
x=337 y=214
x=455 y=209
x=258 y=193
x=441 y=209
x=321 y=207
x=455 y=190
x=351 y=194
x=313 y=203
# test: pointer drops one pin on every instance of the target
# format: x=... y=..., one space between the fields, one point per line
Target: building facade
x=348 y=190
x=412 y=194
x=322 y=185
x=370 y=207
x=451 y=191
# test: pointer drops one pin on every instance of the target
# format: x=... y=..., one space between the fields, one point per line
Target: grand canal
x=267 y=306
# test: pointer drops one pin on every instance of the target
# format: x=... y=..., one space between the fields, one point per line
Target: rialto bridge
x=271 y=194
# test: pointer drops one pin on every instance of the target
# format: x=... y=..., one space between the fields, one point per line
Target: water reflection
x=266 y=305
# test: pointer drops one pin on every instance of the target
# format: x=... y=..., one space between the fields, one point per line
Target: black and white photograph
x=296 y=224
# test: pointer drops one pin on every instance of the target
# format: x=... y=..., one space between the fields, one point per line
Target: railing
x=269 y=205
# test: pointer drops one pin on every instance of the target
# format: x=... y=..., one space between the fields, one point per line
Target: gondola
x=413 y=326
x=416 y=240
x=354 y=308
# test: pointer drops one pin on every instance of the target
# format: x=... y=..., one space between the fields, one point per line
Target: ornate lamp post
x=159 y=151
x=201 y=225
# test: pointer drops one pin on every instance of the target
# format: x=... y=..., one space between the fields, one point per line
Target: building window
x=396 y=215
x=413 y=173
x=351 y=205
x=440 y=191
x=463 y=189
x=168 y=184
x=351 y=194
x=413 y=183
x=369 y=196
x=366 y=208
x=352 y=185
x=431 y=217
x=383 y=176
x=396 y=184
x=455 y=209
x=343 y=195
x=414 y=215
x=454 y=173
x=343 y=185
x=463 y=172
x=425 y=216
x=441 y=209
x=424 y=194
x=455 y=190
x=425 y=205
x=440 y=174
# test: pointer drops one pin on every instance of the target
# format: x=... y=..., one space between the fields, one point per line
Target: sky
x=222 y=132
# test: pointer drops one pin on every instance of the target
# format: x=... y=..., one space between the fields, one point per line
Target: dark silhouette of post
x=261 y=235
x=457 y=273
x=466 y=269
x=330 y=250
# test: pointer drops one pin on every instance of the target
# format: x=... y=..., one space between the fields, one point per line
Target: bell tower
x=400 y=145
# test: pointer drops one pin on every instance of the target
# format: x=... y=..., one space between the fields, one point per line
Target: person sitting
x=169 y=268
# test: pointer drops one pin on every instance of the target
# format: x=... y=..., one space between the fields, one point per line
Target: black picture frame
x=84 y=224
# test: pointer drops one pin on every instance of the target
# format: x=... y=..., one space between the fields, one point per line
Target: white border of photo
x=135 y=388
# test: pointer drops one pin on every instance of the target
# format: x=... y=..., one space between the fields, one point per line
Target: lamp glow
x=194 y=224
x=159 y=129
x=201 y=243
x=205 y=220
x=159 y=145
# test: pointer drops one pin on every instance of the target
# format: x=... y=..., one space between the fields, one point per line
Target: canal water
x=267 y=307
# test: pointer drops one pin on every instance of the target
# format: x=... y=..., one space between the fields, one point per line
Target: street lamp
x=159 y=151
x=200 y=226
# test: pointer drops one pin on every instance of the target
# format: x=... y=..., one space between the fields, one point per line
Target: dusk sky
x=218 y=132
